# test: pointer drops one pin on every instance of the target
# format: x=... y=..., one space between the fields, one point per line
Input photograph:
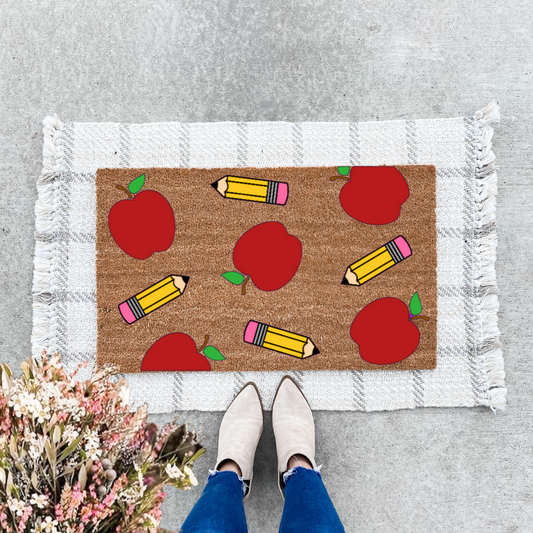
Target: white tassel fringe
x=52 y=144
x=489 y=345
x=44 y=321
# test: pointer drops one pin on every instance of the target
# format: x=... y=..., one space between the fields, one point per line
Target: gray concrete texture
x=428 y=470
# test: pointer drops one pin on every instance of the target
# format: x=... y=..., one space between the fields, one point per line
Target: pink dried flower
x=112 y=462
x=3 y=521
x=59 y=512
x=24 y=518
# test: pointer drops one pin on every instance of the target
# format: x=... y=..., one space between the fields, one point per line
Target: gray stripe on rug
x=239 y=380
x=124 y=146
x=450 y=232
x=242 y=144
x=418 y=387
x=68 y=296
x=61 y=341
x=355 y=144
x=67 y=237
x=411 y=139
x=184 y=146
x=464 y=291
x=358 y=387
x=452 y=351
x=68 y=146
x=81 y=177
x=298 y=377
x=297 y=145
x=177 y=391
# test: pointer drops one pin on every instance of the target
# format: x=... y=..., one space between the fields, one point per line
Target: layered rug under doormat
x=358 y=258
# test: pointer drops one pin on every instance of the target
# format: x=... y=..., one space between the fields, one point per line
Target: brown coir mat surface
x=313 y=303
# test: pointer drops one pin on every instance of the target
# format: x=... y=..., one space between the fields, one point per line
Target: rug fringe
x=46 y=212
x=486 y=241
x=44 y=322
x=52 y=144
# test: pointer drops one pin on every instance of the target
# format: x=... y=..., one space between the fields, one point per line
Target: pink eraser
x=283 y=193
x=126 y=313
x=249 y=332
x=403 y=246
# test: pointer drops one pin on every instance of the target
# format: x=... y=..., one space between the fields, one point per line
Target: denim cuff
x=244 y=485
x=295 y=470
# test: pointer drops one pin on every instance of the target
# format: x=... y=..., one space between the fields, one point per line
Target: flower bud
x=106 y=464
x=110 y=475
x=101 y=491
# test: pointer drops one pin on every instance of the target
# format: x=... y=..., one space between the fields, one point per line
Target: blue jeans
x=308 y=508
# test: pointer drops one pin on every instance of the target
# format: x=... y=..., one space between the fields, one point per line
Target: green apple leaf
x=233 y=277
x=136 y=185
x=415 y=305
x=343 y=171
x=212 y=353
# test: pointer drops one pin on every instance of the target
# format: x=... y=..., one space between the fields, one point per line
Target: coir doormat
x=66 y=298
x=271 y=258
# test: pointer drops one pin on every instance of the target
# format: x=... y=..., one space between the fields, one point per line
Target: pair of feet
x=242 y=425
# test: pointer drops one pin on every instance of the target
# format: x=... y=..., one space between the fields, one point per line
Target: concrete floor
x=431 y=470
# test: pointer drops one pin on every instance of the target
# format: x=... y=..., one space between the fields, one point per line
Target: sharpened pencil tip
x=344 y=281
x=315 y=351
x=214 y=185
x=186 y=278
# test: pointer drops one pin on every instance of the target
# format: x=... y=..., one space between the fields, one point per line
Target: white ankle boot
x=294 y=427
x=240 y=431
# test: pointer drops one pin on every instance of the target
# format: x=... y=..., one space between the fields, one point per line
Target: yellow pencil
x=252 y=189
x=279 y=340
x=377 y=262
x=153 y=298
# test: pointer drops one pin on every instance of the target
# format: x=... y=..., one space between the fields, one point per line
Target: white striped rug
x=469 y=359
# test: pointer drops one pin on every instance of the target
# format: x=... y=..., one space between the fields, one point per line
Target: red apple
x=374 y=195
x=269 y=255
x=143 y=224
x=175 y=351
x=385 y=332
